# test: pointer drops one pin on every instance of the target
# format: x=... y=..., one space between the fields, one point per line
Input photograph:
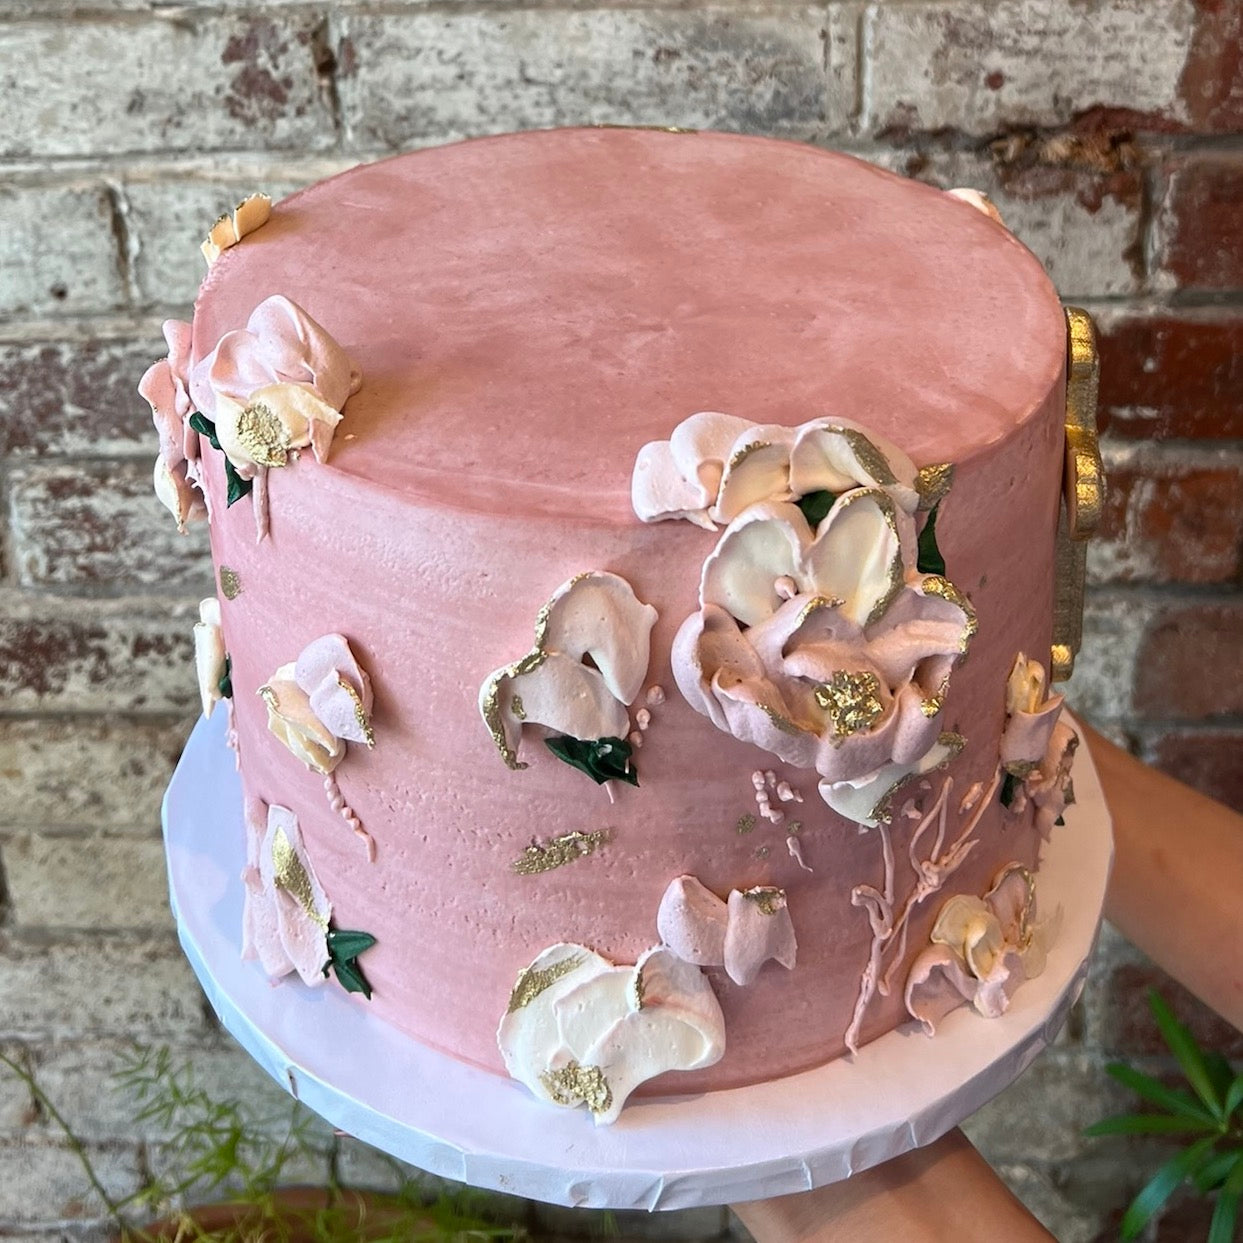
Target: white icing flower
x=580 y=1030
x=274 y=422
x=210 y=661
x=595 y=617
x=286 y=912
x=1030 y=717
x=827 y=647
x=252 y=213
x=740 y=934
x=982 y=950
x=714 y=466
x=319 y=702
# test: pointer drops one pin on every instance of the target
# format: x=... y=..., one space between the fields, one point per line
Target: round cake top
x=529 y=310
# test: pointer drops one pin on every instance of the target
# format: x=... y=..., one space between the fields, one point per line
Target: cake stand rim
x=801 y=1131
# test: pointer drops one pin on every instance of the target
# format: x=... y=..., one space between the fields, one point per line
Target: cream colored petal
x=230 y=424
x=856 y=557
x=984 y=945
x=692 y=921
x=302 y=907
x=308 y=421
x=598 y=615
x=660 y=491
x=835 y=455
x=209 y=654
x=702 y=444
x=569 y=698
x=291 y=720
x=758 y=469
x=1025 y=687
x=936 y=985
x=980 y=201
x=759 y=929
x=763 y=545
x=1012 y=899
x=177 y=494
x=1035 y=955
x=957 y=919
x=869 y=801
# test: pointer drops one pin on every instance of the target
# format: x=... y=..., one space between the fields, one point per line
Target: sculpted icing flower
x=580 y=1031
x=165 y=387
x=982 y=950
x=319 y=702
x=274 y=387
x=1030 y=717
x=252 y=213
x=286 y=912
x=596 y=616
x=825 y=647
x=210 y=662
x=714 y=465
x=1048 y=784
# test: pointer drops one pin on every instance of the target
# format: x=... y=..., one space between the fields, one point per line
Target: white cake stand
x=900 y=1092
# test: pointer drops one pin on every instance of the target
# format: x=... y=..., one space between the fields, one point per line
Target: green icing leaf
x=1061 y=820
x=238 y=487
x=930 y=560
x=344 y=948
x=602 y=759
x=816 y=506
x=205 y=427
x=225 y=685
x=1009 y=788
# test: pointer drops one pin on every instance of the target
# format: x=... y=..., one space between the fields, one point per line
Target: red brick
x=1211 y=87
x=1210 y=760
x=76 y=397
x=1200 y=224
x=1190 y=664
x=1129 y=1028
x=1169 y=522
x=1167 y=374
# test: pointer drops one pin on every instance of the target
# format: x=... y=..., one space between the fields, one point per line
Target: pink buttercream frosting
x=530 y=312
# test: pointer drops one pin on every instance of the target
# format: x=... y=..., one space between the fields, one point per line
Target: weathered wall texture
x=1106 y=130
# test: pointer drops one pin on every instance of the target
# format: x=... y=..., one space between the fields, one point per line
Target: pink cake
x=482 y=570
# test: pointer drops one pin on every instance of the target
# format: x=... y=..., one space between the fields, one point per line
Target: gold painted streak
x=545 y=856
x=572 y=1083
x=530 y=983
x=936 y=585
x=291 y=876
x=933 y=483
x=869 y=456
x=883 y=811
x=1085 y=481
x=230 y=583
x=260 y=433
x=746 y=451
x=360 y=713
x=767 y=898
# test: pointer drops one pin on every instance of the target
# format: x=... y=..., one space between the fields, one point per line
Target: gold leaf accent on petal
x=783 y=723
x=869 y=456
x=897 y=571
x=269 y=697
x=531 y=982
x=558 y=851
x=746 y=451
x=934 y=703
x=852 y=700
x=933 y=483
x=360 y=712
x=292 y=877
x=768 y=898
x=262 y=435
x=572 y=1084
x=935 y=585
x=230 y=583
x=815 y=605
x=638 y=990
x=517 y=708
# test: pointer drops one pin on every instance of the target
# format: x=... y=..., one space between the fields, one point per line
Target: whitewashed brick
x=87 y=882
x=58 y=253
x=100 y=523
x=169 y=219
x=97 y=656
x=97 y=987
x=982 y=66
x=17 y=1106
x=45 y=1182
x=87 y=772
x=1114 y=624
x=418 y=76
x=1042 y=1194
x=176 y=81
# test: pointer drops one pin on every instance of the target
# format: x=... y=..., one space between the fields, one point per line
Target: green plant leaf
x=1216 y=1171
x=1189 y=1054
x=1009 y=788
x=1234 y=1095
x=343 y=944
x=1148 y=1124
x=602 y=759
x=1158 y=1094
x=930 y=560
x=1220 y=1074
x=816 y=506
x=237 y=486
x=1163 y=1184
x=1225 y=1215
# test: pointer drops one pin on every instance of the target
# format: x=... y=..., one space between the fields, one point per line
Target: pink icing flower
x=274 y=387
x=982 y=950
x=826 y=648
x=1048 y=784
x=286 y=912
x=1030 y=717
x=165 y=386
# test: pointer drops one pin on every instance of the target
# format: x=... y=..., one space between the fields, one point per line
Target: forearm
x=944 y=1193
x=1178 y=877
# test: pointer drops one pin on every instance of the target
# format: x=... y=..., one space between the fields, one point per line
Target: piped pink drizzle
x=930 y=875
x=336 y=800
x=259 y=502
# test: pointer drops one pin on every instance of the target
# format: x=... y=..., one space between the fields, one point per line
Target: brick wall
x=1108 y=131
